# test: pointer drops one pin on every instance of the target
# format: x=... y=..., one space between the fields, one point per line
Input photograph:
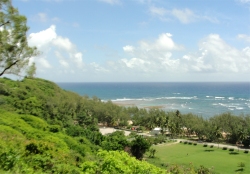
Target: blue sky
x=139 y=40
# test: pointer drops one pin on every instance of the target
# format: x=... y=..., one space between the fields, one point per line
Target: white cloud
x=154 y=58
x=43 y=38
x=163 y=43
x=112 y=2
x=43 y=17
x=244 y=37
x=214 y=56
x=55 y=50
x=128 y=48
x=64 y=63
x=244 y=1
x=63 y=43
x=44 y=63
x=96 y=67
x=185 y=16
x=136 y=62
x=158 y=11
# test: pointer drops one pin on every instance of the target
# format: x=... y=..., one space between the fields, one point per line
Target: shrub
x=224 y=148
x=246 y=151
x=54 y=128
x=211 y=146
x=185 y=142
x=231 y=149
x=190 y=143
x=180 y=141
x=205 y=145
x=195 y=144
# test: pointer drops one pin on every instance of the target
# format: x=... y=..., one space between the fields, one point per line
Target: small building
x=130 y=122
x=155 y=131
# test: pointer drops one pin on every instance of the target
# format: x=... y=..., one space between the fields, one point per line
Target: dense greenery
x=55 y=126
x=44 y=129
x=30 y=145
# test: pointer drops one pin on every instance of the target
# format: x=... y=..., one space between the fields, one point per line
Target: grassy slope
x=32 y=137
x=17 y=132
x=221 y=160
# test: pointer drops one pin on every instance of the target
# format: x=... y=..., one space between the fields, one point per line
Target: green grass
x=222 y=161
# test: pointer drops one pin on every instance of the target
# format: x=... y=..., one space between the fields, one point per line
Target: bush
x=185 y=142
x=180 y=141
x=224 y=148
x=54 y=128
x=195 y=144
x=246 y=151
x=211 y=146
x=190 y=143
x=231 y=149
x=205 y=145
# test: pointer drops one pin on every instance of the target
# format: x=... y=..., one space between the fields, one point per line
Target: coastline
x=134 y=104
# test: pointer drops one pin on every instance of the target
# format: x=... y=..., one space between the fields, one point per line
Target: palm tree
x=242 y=135
x=218 y=134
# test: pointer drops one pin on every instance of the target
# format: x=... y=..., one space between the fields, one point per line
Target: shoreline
x=131 y=104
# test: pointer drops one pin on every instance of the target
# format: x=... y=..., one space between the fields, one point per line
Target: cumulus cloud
x=128 y=48
x=151 y=56
x=164 y=42
x=214 y=56
x=60 y=58
x=155 y=57
x=63 y=43
x=43 y=38
x=55 y=50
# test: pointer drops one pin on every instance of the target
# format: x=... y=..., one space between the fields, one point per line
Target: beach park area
x=219 y=158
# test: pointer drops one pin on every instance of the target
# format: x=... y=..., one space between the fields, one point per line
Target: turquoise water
x=206 y=99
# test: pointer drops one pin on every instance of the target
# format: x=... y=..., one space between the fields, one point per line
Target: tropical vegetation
x=45 y=129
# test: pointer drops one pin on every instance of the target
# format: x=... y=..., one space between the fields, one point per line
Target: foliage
x=55 y=131
x=115 y=141
x=112 y=162
x=30 y=147
x=139 y=146
x=14 y=49
x=152 y=152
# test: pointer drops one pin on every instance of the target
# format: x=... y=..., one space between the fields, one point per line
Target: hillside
x=44 y=129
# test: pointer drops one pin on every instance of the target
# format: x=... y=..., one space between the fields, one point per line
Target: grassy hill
x=45 y=129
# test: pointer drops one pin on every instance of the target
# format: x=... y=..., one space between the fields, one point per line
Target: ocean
x=204 y=98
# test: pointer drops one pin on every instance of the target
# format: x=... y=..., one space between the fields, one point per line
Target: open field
x=222 y=161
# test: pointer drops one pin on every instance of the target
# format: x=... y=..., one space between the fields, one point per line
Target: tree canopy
x=15 y=53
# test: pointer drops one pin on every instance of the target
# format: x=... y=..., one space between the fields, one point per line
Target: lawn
x=222 y=161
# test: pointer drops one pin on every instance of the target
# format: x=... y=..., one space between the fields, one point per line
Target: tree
x=242 y=135
x=31 y=71
x=115 y=141
x=14 y=49
x=152 y=152
x=118 y=162
x=139 y=146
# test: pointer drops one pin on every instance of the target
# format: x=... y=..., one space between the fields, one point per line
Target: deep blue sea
x=206 y=99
